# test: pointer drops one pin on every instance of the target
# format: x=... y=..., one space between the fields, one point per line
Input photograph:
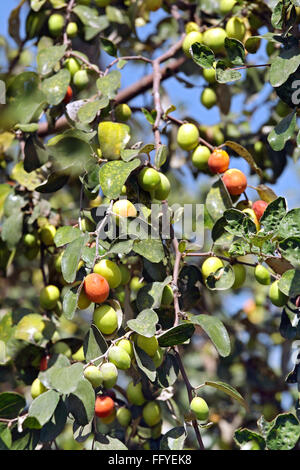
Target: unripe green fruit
x=110 y=271
x=32 y=253
x=124 y=416
x=152 y=5
x=210 y=75
x=187 y=136
x=277 y=297
x=127 y=346
x=200 y=408
x=79 y=355
x=226 y=6
x=83 y=301
x=119 y=357
x=151 y=413
x=62 y=348
x=262 y=275
x=30 y=240
x=56 y=24
x=136 y=284
x=189 y=40
x=211 y=265
x=125 y=274
x=148 y=179
x=49 y=297
x=120 y=294
x=240 y=275
x=81 y=79
x=122 y=112
x=156 y=431
x=214 y=39
x=208 y=98
x=37 y=388
x=47 y=234
x=109 y=374
x=191 y=26
x=200 y=157
x=252 y=45
x=235 y=28
x=72 y=65
x=93 y=375
x=163 y=188
x=135 y=394
x=149 y=345
x=270 y=49
x=102 y=3
x=158 y=358
x=282 y=109
x=167 y=296
x=37 y=336
x=72 y=29
x=105 y=318
x=34 y=23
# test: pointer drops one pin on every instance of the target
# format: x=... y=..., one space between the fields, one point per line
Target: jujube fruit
x=277 y=297
x=119 y=357
x=44 y=363
x=49 y=297
x=187 y=136
x=235 y=28
x=122 y=112
x=109 y=374
x=93 y=375
x=214 y=39
x=96 y=288
x=252 y=215
x=104 y=406
x=105 y=318
x=199 y=407
x=136 y=284
x=37 y=388
x=190 y=39
x=259 y=208
x=124 y=208
x=167 y=296
x=56 y=24
x=110 y=271
x=47 y=234
x=210 y=75
x=149 y=345
x=191 y=26
x=240 y=275
x=125 y=274
x=153 y=5
x=72 y=65
x=208 y=98
x=81 y=79
x=226 y=6
x=102 y=3
x=135 y=394
x=163 y=188
x=211 y=265
x=151 y=413
x=79 y=355
x=124 y=416
x=235 y=181
x=262 y=275
x=68 y=95
x=127 y=346
x=218 y=161
x=200 y=157
x=148 y=179
x=83 y=301
x=72 y=29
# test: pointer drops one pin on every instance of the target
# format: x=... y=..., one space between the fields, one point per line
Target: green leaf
x=12 y=229
x=109 y=47
x=47 y=58
x=225 y=75
x=240 y=150
x=177 y=335
x=113 y=137
x=70 y=303
x=235 y=51
x=284 y=131
x=232 y=392
x=289 y=283
x=284 y=65
x=113 y=175
x=161 y=156
x=5 y=437
x=277 y=15
x=222 y=279
x=93 y=24
x=31 y=181
x=290 y=250
x=203 y=55
x=88 y=111
x=174 y=439
x=11 y=404
x=151 y=249
x=285 y=433
x=71 y=257
x=81 y=403
x=94 y=345
x=43 y=407
x=65 y=379
x=144 y=363
x=55 y=426
x=36 y=5
x=55 y=87
x=239 y=224
x=290 y=224
x=217 y=200
x=145 y=323
x=273 y=215
x=216 y=331
x=150 y=295
x=35 y=153
x=167 y=373
x=109 y=84
x=54 y=182
x=107 y=442
x=65 y=235
x=246 y=439
x=149 y=115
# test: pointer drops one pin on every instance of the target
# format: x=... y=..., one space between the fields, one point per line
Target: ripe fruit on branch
x=122 y=112
x=208 y=98
x=211 y=265
x=151 y=413
x=262 y=275
x=148 y=179
x=104 y=406
x=149 y=345
x=47 y=234
x=199 y=407
x=163 y=188
x=56 y=24
x=214 y=39
x=68 y=95
x=218 y=161
x=277 y=297
x=109 y=374
x=235 y=28
x=119 y=357
x=252 y=215
x=81 y=79
x=189 y=40
x=110 y=418
x=226 y=6
x=259 y=208
x=240 y=275
x=188 y=136
x=200 y=157
x=83 y=300
x=105 y=318
x=124 y=416
x=110 y=271
x=135 y=394
x=37 y=388
x=235 y=181
x=96 y=288
x=49 y=297
x=191 y=26
x=72 y=29
x=124 y=208
x=93 y=375
x=44 y=363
